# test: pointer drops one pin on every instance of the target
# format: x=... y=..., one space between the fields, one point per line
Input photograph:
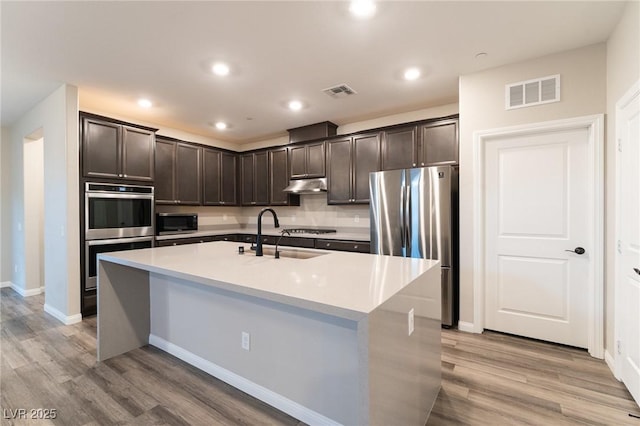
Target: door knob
x=577 y=250
x=637 y=270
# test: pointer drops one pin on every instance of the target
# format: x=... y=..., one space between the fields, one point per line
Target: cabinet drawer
x=181 y=241
x=355 y=246
x=228 y=237
x=246 y=238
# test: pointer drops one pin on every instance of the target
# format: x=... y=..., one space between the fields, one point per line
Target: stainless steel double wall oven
x=117 y=217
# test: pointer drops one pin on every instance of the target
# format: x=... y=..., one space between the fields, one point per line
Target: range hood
x=307 y=186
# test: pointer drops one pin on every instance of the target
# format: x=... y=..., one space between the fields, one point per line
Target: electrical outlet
x=246 y=341
x=411 y=322
x=19 y=226
x=15 y=268
x=356 y=218
x=293 y=218
x=224 y=217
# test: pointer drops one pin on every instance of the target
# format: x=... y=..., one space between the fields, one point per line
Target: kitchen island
x=328 y=337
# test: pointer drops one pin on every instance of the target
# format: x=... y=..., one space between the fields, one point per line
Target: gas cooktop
x=310 y=231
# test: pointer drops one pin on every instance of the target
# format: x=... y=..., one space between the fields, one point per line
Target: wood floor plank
x=489 y=379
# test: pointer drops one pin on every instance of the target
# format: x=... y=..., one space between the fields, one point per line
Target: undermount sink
x=292 y=253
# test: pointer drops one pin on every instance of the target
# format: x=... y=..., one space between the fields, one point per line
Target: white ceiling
x=116 y=52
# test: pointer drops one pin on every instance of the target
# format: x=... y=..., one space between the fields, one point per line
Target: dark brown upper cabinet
x=349 y=162
x=254 y=176
x=117 y=151
x=165 y=171
x=307 y=160
x=429 y=144
x=219 y=173
x=438 y=143
x=179 y=173
x=400 y=148
x=279 y=179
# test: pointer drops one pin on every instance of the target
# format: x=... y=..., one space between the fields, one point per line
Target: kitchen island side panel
x=307 y=357
x=123 y=309
x=404 y=354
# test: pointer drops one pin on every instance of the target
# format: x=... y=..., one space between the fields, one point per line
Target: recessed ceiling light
x=221 y=125
x=295 y=105
x=144 y=103
x=411 y=73
x=362 y=8
x=220 y=69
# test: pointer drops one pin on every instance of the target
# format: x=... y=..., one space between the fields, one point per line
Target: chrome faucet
x=259 y=236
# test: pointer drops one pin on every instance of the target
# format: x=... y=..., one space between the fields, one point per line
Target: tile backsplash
x=313 y=212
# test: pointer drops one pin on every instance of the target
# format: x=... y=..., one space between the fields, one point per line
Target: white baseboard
x=468 y=327
x=65 y=319
x=26 y=293
x=611 y=363
x=278 y=401
x=4 y=284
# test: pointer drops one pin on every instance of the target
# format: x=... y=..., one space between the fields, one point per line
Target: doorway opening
x=33 y=173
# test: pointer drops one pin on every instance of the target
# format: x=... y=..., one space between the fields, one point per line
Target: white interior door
x=537 y=212
x=628 y=230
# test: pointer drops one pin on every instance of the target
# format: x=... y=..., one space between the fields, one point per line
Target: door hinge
x=619 y=246
x=619 y=145
x=619 y=347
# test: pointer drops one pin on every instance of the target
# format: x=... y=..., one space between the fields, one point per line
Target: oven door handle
x=118 y=241
x=121 y=196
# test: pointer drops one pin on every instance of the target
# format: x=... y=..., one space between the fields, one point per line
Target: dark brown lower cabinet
x=342 y=245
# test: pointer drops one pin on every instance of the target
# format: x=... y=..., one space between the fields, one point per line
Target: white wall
x=583 y=92
x=5 y=260
x=357 y=126
x=623 y=70
x=313 y=209
x=57 y=116
x=162 y=130
x=34 y=214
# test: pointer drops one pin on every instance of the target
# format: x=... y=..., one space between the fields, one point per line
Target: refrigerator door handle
x=407 y=219
x=402 y=215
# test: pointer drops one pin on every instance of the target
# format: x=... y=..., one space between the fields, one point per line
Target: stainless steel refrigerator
x=414 y=213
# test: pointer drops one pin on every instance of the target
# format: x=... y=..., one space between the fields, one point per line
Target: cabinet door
x=439 y=143
x=246 y=178
x=101 y=149
x=366 y=159
x=261 y=178
x=278 y=177
x=211 y=174
x=399 y=148
x=315 y=160
x=138 y=147
x=229 y=177
x=298 y=161
x=188 y=174
x=339 y=172
x=165 y=172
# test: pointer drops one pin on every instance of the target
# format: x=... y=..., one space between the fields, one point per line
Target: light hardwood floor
x=492 y=379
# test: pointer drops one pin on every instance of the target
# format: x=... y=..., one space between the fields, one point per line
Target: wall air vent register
x=532 y=92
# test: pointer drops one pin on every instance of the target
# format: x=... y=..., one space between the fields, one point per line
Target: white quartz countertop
x=344 y=284
x=206 y=232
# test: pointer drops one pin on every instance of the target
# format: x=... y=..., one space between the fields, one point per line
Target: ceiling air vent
x=340 y=91
x=533 y=92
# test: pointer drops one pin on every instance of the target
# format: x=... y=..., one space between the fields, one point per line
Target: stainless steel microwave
x=176 y=223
